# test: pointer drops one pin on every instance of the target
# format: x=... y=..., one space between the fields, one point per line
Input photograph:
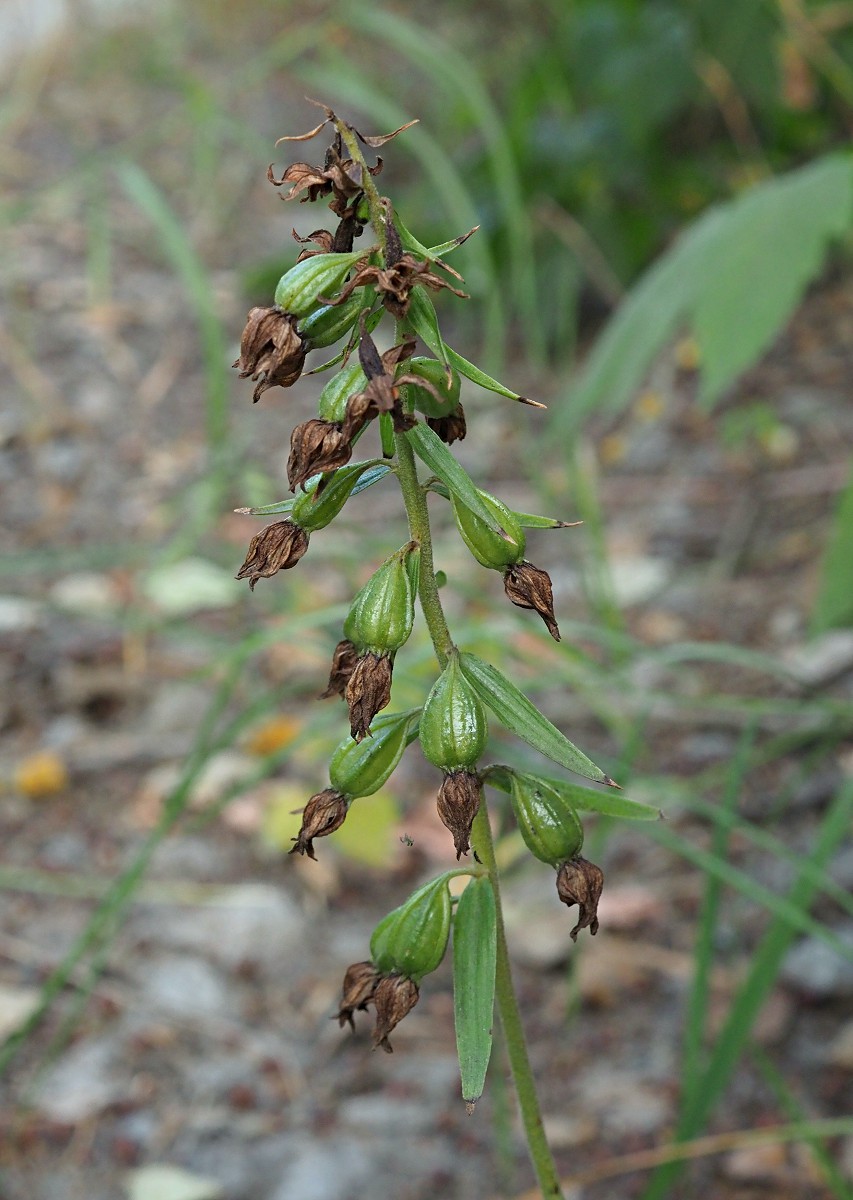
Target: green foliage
x=474 y=964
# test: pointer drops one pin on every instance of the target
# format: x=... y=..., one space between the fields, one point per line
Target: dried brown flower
x=344 y=658
x=275 y=548
x=341 y=241
x=529 y=587
x=580 y=882
x=316 y=446
x=271 y=350
x=382 y=394
x=458 y=801
x=451 y=428
x=359 y=985
x=394 y=997
x=368 y=691
x=323 y=814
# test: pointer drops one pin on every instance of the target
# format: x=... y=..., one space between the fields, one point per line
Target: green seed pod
x=381 y=616
x=453 y=727
x=311 y=511
x=319 y=275
x=412 y=939
x=349 y=380
x=435 y=373
x=330 y=323
x=549 y=825
x=361 y=768
x=487 y=545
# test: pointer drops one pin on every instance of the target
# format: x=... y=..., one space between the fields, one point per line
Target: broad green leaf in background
x=521 y=717
x=734 y=278
x=474 y=965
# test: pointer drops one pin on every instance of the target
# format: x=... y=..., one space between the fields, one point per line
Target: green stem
x=516 y=1046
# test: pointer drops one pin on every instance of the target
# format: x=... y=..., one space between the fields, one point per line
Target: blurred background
x=664 y=193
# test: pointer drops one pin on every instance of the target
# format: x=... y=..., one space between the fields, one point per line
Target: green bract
x=413 y=938
x=549 y=825
x=435 y=373
x=487 y=545
x=381 y=616
x=320 y=275
x=453 y=728
x=311 y=511
x=333 y=398
x=329 y=324
x=361 y=768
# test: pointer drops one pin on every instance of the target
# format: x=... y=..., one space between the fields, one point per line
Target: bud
x=299 y=288
x=368 y=691
x=344 y=658
x=549 y=825
x=271 y=350
x=490 y=548
x=276 y=548
x=580 y=882
x=322 y=815
x=359 y=985
x=316 y=446
x=529 y=587
x=382 y=614
x=451 y=428
x=332 y=405
x=361 y=768
x=458 y=801
x=394 y=997
x=328 y=324
x=412 y=939
x=453 y=727
x=440 y=398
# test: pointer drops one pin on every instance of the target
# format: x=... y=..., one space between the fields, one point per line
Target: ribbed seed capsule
x=435 y=373
x=311 y=511
x=320 y=275
x=412 y=939
x=381 y=615
x=332 y=405
x=361 y=768
x=550 y=826
x=453 y=726
x=329 y=324
x=489 y=547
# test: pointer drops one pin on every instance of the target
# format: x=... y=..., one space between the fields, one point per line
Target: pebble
x=82 y=1083
x=328 y=1171
x=817 y=663
x=162 y=1181
x=16 y=1005
x=184 y=987
x=19 y=615
x=815 y=968
x=636 y=580
x=85 y=592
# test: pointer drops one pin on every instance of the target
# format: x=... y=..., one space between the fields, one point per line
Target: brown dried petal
x=394 y=997
x=529 y=587
x=320 y=237
x=381 y=139
x=344 y=658
x=368 y=691
x=303 y=177
x=271 y=349
x=359 y=985
x=349 y=228
x=580 y=882
x=316 y=446
x=458 y=802
x=451 y=428
x=323 y=814
x=275 y=548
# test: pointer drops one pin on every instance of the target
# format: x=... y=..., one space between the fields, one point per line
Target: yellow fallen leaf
x=273 y=734
x=41 y=774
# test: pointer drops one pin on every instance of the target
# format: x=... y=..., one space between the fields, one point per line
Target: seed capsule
x=350 y=380
x=551 y=828
x=412 y=939
x=441 y=401
x=329 y=324
x=381 y=615
x=453 y=727
x=317 y=506
x=361 y=768
x=320 y=275
x=489 y=547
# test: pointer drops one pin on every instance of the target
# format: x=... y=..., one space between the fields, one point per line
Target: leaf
x=423 y=320
x=834 y=604
x=373 y=472
x=534 y=521
x=474 y=964
x=734 y=277
x=472 y=372
x=584 y=798
x=386 y=434
x=520 y=716
x=431 y=450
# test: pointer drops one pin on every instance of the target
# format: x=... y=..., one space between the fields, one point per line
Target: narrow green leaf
x=424 y=321
x=373 y=472
x=534 y=521
x=472 y=372
x=386 y=434
x=587 y=799
x=474 y=964
x=431 y=450
x=834 y=604
x=520 y=716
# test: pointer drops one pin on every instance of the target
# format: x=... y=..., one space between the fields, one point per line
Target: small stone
x=85 y=592
x=19 y=615
x=16 y=1004
x=185 y=987
x=81 y=1083
x=816 y=969
x=636 y=580
x=822 y=660
x=754 y=1164
x=162 y=1181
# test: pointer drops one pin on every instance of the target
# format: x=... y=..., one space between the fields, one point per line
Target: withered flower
x=359 y=985
x=323 y=814
x=275 y=548
x=271 y=350
x=458 y=801
x=341 y=241
x=580 y=882
x=382 y=394
x=451 y=428
x=316 y=446
x=368 y=691
x=529 y=587
x=344 y=658
x=394 y=997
